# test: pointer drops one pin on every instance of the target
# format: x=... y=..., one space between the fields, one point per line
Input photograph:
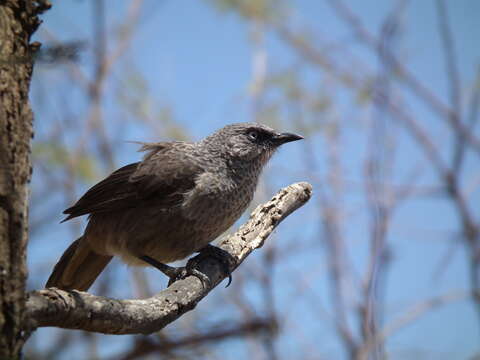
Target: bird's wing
x=162 y=179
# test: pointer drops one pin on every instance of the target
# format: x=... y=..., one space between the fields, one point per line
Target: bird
x=175 y=201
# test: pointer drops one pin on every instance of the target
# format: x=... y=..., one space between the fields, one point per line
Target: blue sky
x=199 y=62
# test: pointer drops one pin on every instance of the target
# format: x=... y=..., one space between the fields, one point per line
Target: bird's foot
x=221 y=255
x=177 y=273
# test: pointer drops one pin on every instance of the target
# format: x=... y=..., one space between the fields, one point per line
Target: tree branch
x=407 y=77
x=146 y=346
x=80 y=310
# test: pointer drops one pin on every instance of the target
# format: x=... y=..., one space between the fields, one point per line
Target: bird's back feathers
x=158 y=179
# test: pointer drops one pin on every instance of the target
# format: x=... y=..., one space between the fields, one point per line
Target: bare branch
x=145 y=346
x=412 y=314
x=453 y=79
x=80 y=310
x=407 y=77
x=339 y=266
x=450 y=57
x=316 y=57
x=346 y=13
x=474 y=105
x=378 y=168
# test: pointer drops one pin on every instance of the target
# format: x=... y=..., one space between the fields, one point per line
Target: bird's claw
x=185 y=271
x=221 y=255
x=177 y=273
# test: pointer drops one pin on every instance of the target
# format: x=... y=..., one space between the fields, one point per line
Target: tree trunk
x=18 y=21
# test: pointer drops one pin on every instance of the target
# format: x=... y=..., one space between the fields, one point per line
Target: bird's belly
x=163 y=235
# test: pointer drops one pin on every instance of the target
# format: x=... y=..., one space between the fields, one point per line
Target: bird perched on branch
x=174 y=202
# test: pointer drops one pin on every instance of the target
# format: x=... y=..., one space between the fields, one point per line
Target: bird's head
x=246 y=142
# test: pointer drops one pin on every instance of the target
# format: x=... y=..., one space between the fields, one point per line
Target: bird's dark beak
x=285 y=138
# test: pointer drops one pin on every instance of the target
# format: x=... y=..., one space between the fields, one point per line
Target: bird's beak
x=285 y=138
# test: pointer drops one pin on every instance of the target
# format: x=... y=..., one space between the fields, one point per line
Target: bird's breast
x=217 y=196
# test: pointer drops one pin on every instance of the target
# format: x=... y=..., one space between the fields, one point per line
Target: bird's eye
x=252 y=135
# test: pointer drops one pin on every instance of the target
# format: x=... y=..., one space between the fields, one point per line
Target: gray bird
x=173 y=203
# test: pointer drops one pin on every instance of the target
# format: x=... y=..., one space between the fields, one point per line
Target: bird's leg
x=170 y=271
x=217 y=253
x=176 y=273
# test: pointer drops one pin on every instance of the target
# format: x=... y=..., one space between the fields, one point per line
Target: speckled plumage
x=174 y=202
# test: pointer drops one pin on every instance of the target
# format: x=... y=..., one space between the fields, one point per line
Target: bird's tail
x=78 y=267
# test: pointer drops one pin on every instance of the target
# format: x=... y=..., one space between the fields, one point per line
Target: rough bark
x=80 y=310
x=18 y=21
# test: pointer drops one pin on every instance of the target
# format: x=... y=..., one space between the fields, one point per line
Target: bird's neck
x=242 y=172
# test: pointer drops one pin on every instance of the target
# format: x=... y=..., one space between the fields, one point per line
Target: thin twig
x=454 y=81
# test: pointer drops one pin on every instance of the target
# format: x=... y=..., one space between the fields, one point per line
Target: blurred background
x=382 y=263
